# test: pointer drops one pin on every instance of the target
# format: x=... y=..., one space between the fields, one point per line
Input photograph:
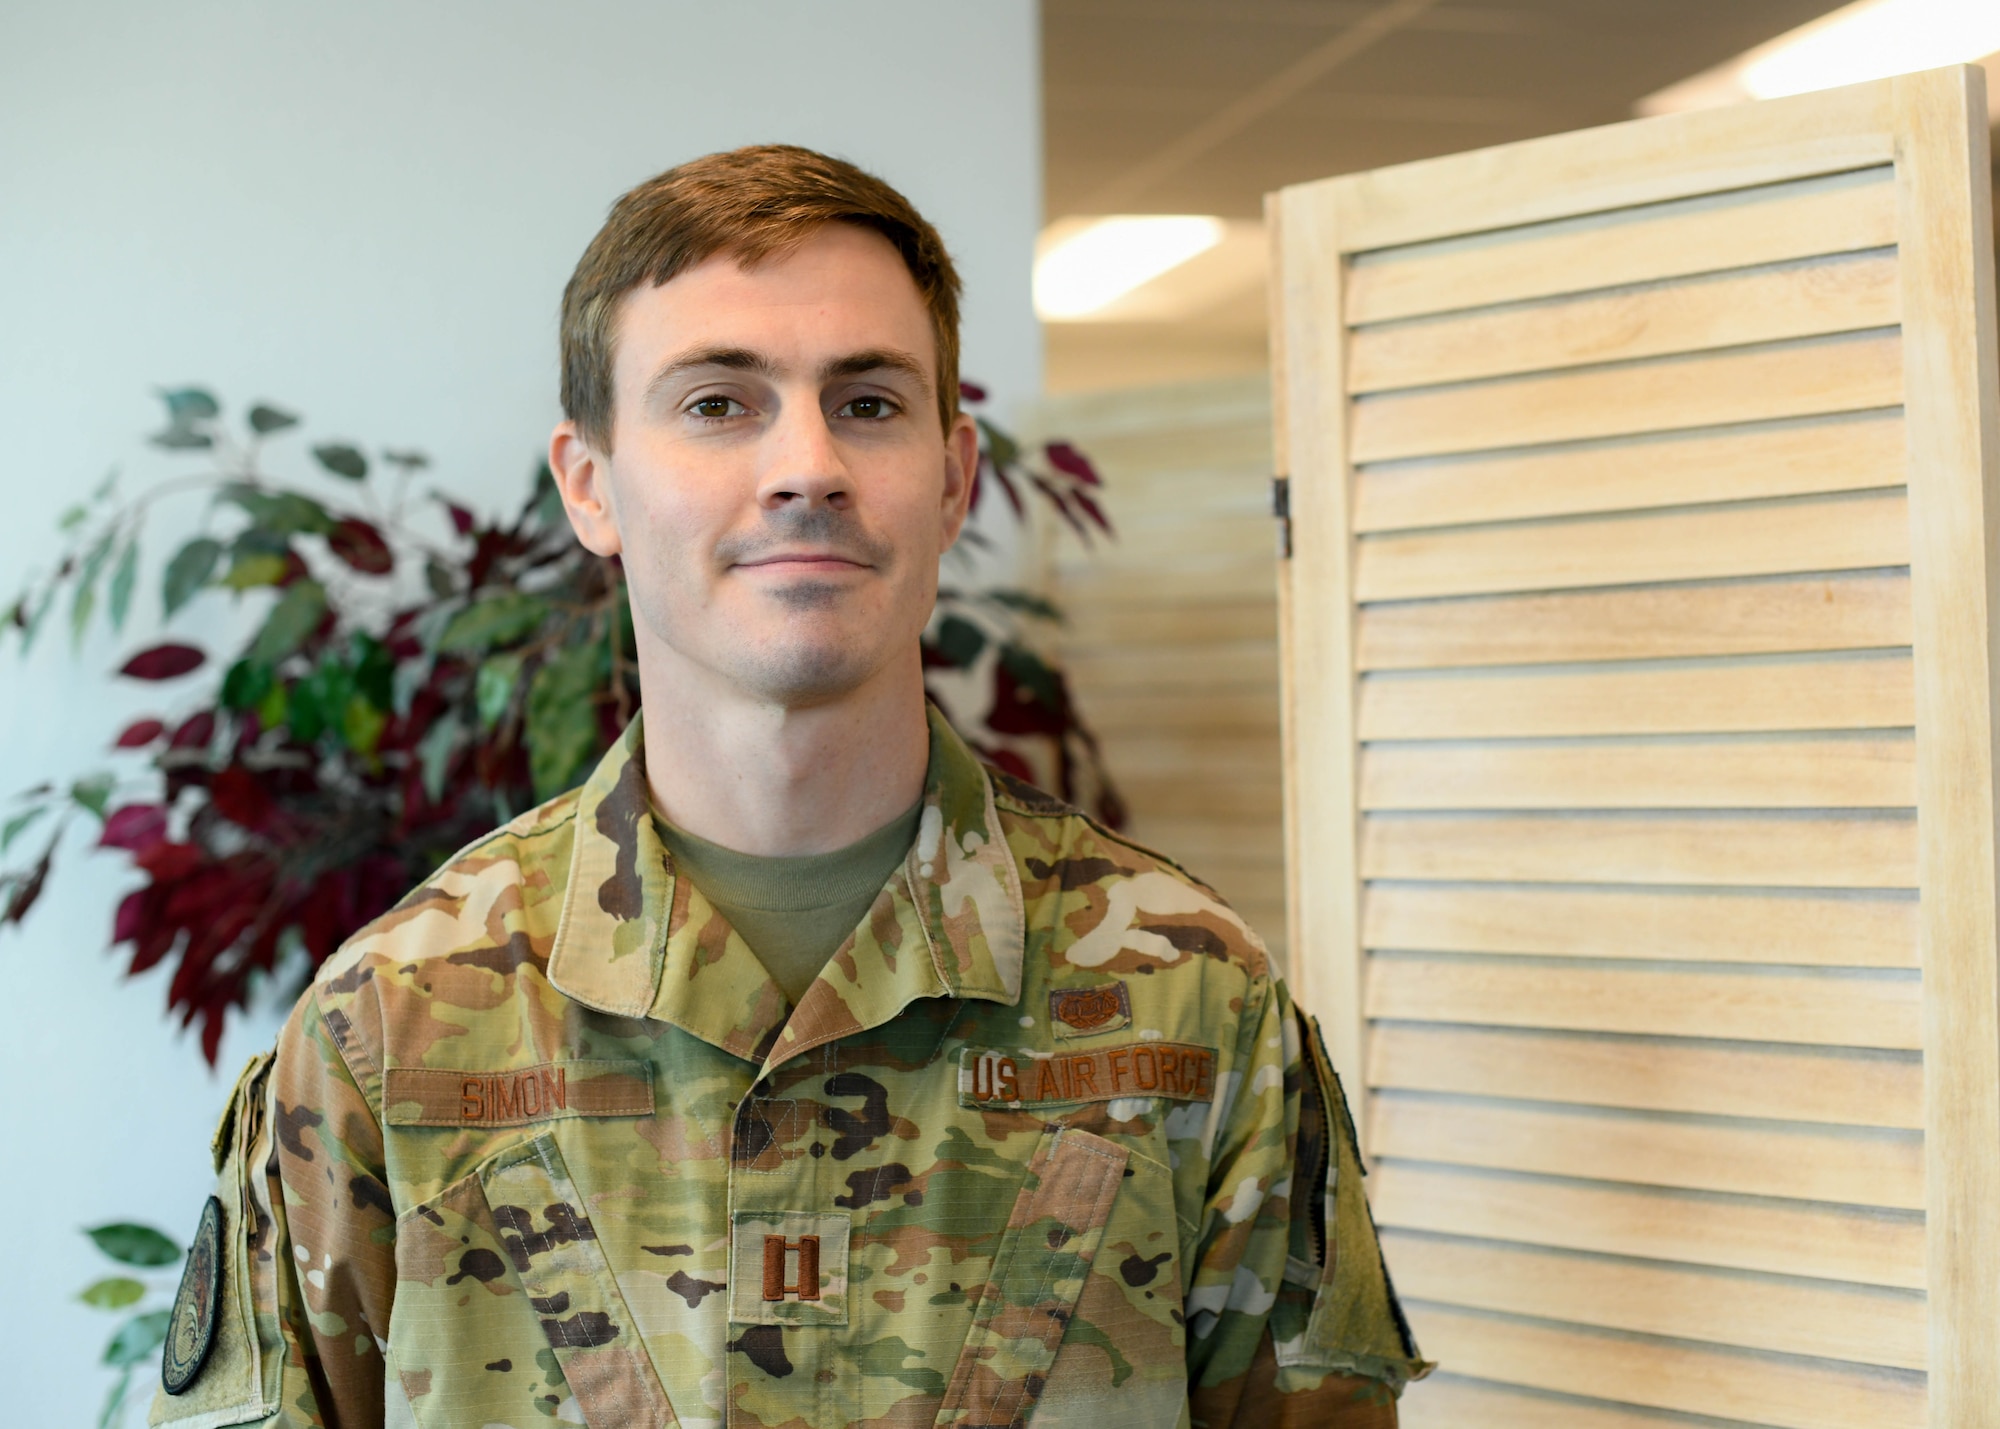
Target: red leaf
x=27 y=890
x=140 y=733
x=131 y=919
x=136 y=827
x=1012 y=763
x=196 y=732
x=461 y=519
x=163 y=662
x=1006 y=485
x=971 y=392
x=360 y=545
x=1092 y=510
x=168 y=862
x=238 y=797
x=1071 y=462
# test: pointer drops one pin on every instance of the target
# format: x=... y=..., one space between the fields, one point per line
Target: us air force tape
x=191 y=1326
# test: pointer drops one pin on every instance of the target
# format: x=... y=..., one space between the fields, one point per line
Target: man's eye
x=714 y=407
x=869 y=408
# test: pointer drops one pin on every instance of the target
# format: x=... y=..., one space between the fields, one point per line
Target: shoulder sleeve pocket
x=224 y=1343
x=1352 y=1323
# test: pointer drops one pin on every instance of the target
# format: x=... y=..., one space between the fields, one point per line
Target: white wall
x=365 y=211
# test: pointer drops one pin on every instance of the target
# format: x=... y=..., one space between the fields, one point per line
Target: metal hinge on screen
x=1281 y=507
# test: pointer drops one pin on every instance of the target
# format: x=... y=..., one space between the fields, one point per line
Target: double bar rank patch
x=988 y=1077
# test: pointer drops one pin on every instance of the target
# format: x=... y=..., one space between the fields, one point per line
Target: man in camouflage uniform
x=1042 y=1141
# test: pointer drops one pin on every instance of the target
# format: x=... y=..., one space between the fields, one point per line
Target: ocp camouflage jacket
x=1045 y=1143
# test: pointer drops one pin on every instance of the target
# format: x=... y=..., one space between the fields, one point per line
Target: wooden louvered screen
x=1171 y=637
x=1639 y=715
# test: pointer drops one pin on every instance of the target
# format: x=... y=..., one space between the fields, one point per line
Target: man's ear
x=583 y=476
x=961 y=465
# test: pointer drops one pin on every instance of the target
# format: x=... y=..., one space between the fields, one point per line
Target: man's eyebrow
x=878 y=359
x=738 y=359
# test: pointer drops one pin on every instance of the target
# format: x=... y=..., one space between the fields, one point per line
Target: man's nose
x=804 y=464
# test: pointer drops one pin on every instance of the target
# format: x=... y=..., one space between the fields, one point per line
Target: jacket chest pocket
x=466 y=1346
x=1044 y=1258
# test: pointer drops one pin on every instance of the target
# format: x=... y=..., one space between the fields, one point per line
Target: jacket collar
x=637 y=940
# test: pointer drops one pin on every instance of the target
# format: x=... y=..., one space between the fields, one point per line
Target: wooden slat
x=1844 y=213
x=1118 y=711
x=1774 y=772
x=1161 y=666
x=1868 y=691
x=1851 y=1167
x=1788 y=1237
x=1824 y=533
x=1824 y=1007
x=1171 y=796
x=1851 y=452
x=1767 y=304
x=1094 y=629
x=1812 y=929
x=1848 y=612
x=1800 y=379
x=1446 y=1401
x=1734 y=850
x=1863 y=1324
x=1134 y=581
x=1743 y=1385
x=1776 y=1083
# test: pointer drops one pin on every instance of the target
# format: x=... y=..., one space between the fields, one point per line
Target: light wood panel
x=1850 y=1166
x=1733 y=309
x=1741 y=850
x=1783 y=1314
x=1775 y=772
x=1747 y=617
x=1796 y=379
x=1794 y=1393
x=1639 y=696
x=1828 y=533
x=1704 y=234
x=1446 y=1401
x=1839 y=1243
x=1745 y=1079
x=1869 y=691
x=1816 y=1006
x=1832 y=929
x=1795 y=458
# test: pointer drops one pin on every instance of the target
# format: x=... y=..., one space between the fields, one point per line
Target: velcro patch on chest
x=1086 y=1011
x=516 y=1096
x=988 y=1077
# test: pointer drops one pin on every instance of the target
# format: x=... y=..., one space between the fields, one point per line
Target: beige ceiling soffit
x=1230 y=120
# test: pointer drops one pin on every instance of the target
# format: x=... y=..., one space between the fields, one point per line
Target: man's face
x=780 y=484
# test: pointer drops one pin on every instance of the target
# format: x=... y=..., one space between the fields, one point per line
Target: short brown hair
x=757 y=202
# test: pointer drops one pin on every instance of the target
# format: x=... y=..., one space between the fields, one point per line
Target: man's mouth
x=822 y=561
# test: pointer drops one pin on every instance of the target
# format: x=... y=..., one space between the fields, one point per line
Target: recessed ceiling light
x=1869 y=40
x=1083 y=269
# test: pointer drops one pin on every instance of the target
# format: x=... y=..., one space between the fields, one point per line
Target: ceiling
x=1202 y=106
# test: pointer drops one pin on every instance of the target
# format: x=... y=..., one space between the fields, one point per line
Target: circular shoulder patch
x=191 y=1327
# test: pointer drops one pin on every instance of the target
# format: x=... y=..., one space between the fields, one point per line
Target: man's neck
x=764 y=779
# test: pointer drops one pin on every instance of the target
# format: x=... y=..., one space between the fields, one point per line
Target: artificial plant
x=418 y=675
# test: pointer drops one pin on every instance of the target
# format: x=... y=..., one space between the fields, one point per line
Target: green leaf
x=93 y=792
x=435 y=749
x=493 y=691
x=496 y=620
x=1004 y=450
x=407 y=460
x=283 y=513
x=84 y=601
x=274 y=711
x=251 y=569
x=1026 y=603
x=562 y=717
x=247 y=682
x=374 y=671
x=19 y=825
x=190 y=404
x=137 y=1339
x=1035 y=676
x=361 y=726
x=73 y=518
x=106 y=486
x=123 y=580
x=179 y=439
x=959 y=641
x=439 y=578
x=114 y=1402
x=130 y=1244
x=265 y=420
x=189 y=571
x=34 y=625
x=291 y=620
x=113 y=1293
x=342 y=460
